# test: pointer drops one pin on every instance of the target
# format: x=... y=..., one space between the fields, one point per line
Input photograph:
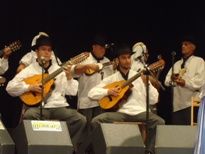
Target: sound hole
x=34 y=94
x=110 y=98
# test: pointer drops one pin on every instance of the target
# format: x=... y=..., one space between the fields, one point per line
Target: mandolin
x=14 y=46
x=34 y=98
x=111 y=102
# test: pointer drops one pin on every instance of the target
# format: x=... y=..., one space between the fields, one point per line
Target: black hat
x=100 y=40
x=42 y=40
x=189 y=38
x=123 y=49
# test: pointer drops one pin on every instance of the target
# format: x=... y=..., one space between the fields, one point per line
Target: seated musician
x=133 y=106
x=31 y=56
x=55 y=106
x=4 y=60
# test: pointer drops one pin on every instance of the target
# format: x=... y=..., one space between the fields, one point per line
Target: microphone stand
x=172 y=82
x=146 y=73
x=42 y=91
x=147 y=103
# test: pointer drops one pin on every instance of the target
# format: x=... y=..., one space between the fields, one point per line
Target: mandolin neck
x=75 y=60
x=129 y=81
x=52 y=75
x=107 y=63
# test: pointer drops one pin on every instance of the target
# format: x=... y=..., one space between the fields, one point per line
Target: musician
x=133 y=107
x=4 y=64
x=55 y=107
x=139 y=60
x=139 y=57
x=89 y=107
x=31 y=56
x=186 y=80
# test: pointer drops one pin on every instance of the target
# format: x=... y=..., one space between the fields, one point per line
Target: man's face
x=98 y=50
x=125 y=61
x=188 y=48
x=44 y=51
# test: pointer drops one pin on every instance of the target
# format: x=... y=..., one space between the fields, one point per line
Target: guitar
x=14 y=46
x=34 y=98
x=179 y=75
x=110 y=102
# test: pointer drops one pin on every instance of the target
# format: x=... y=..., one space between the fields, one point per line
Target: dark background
x=72 y=25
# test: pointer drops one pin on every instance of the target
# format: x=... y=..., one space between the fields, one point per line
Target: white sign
x=2 y=126
x=38 y=125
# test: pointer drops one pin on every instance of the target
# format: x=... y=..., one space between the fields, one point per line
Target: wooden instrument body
x=109 y=102
x=34 y=98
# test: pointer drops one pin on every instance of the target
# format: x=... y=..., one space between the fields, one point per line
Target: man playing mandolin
x=54 y=105
x=131 y=107
x=186 y=78
x=4 y=60
x=90 y=73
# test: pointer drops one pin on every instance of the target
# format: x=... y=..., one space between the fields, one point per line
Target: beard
x=125 y=67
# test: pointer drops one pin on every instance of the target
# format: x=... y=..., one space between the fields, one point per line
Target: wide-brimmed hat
x=139 y=49
x=189 y=38
x=122 y=49
x=42 y=40
x=100 y=39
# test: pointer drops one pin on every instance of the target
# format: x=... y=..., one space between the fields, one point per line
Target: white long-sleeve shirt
x=63 y=87
x=4 y=65
x=202 y=94
x=136 y=102
x=194 y=79
x=87 y=82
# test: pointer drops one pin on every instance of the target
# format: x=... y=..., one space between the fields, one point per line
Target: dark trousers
x=110 y=117
x=182 y=117
x=90 y=113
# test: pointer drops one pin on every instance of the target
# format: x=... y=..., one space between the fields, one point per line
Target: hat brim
x=34 y=47
x=124 y=53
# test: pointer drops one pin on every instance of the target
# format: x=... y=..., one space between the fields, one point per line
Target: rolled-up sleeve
x=4 y=65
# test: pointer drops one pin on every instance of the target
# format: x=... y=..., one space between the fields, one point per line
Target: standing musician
x=55 y=106
x=133 y=106
x=4 y=65
x=91 y=72
x=186 y=78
